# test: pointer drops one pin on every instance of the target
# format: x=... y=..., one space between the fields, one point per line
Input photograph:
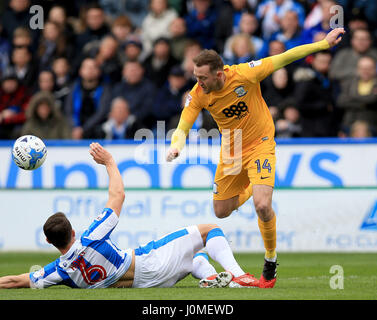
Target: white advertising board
x=300 y=163
x=307 y=220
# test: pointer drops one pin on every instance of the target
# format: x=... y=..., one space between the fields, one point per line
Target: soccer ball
x=29 y=152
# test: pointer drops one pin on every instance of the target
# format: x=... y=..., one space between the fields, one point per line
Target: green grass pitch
x=301 y=276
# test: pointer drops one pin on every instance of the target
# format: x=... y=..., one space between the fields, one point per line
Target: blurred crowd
x=104 y=69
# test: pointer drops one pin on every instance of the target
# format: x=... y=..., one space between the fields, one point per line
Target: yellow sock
x=245 y=195
x=268 y=232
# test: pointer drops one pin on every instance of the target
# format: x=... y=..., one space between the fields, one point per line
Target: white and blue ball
x=29 y=152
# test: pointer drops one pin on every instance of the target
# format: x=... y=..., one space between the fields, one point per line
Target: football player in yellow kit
x=246 y=166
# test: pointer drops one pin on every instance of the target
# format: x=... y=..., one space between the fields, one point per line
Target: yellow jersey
x=238 y=105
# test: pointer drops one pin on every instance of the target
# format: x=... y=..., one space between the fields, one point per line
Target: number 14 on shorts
x=266 y=165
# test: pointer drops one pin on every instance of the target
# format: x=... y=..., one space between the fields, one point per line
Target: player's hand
x=100 y=154
x=333 y=36
x=172 y=154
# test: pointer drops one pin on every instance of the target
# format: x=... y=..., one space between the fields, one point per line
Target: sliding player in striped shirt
x=94 y=261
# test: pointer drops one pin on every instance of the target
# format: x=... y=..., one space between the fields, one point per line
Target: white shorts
x=163 y=262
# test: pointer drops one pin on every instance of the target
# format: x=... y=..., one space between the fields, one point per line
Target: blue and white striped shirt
x=92 y=262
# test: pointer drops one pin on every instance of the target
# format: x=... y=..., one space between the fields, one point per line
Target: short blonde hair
x=243 y=37
x=122 y=21
x=210 y=58
x=360 y=124
x=21 y=32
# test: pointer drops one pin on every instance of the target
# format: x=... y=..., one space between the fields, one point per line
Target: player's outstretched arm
x=299 y=52
x=116 y=186
x=14 y=282
x=178 y=139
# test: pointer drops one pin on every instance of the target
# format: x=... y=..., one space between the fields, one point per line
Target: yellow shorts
x=257 y=166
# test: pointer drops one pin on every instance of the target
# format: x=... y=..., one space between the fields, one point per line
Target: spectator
x=316 y=113
x=46 y=81
x=178 y=37
x=360 y=129
x=277 y=90
x=52 y=44
x=14 y=99
x=121 y=124
x=168 y=99
x=242 y=50
x=368 y=8
x=122 y=29
x=60 y=67
x=156 y=24
x=192 y=49
x=44 y=119
x=159 y=63
x=248 y=25
x=204 y=125
x=95 y=27
x=290 y=33
x=358 y=97
x=138 y=91
x=345 y=61
x=271 y=12
x=17 y=15
x=319 y=31
x=315 y=15
x=275 y=47
x=201 y=21
x=22 y=38
x=106 y=56
x=132 y=50
x=289 y=126
x=87 y=105
x=58 y=15
x=24 y=66
x=230 y=17
x=5 y=50
x=357 y=21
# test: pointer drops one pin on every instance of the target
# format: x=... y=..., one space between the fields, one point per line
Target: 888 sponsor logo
x=239 y=110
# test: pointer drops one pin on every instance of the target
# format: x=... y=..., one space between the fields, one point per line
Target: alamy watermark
x=337 y=280
x=337 y=19
x=201 y=147
x=37 y=20
x=37 y=271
